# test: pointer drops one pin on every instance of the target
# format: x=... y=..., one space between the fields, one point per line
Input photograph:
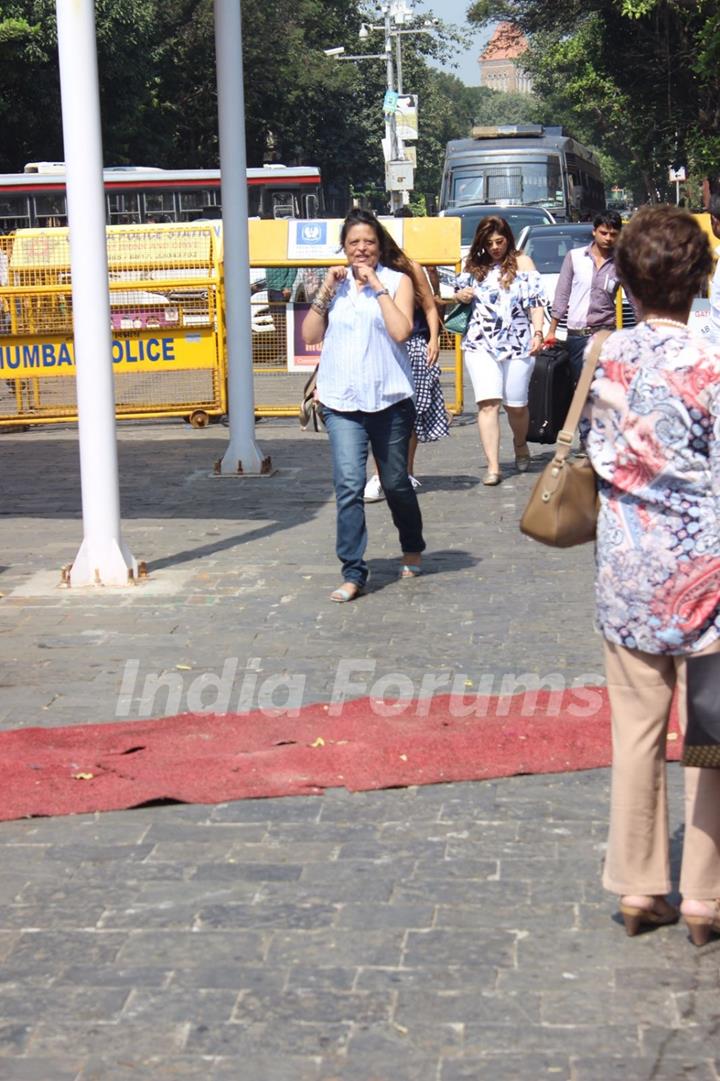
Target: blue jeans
x=388 y=434
x=576 y=349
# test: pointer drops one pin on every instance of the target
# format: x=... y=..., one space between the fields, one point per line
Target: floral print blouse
x=499 y=320
x=652 y=432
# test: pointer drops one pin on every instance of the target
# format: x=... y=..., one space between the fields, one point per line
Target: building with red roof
x=501 y=61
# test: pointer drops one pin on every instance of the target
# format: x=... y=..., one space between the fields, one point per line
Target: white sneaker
x=373 y=490
x=414 y=481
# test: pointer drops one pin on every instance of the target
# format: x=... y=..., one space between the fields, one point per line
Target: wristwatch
x=382 y=293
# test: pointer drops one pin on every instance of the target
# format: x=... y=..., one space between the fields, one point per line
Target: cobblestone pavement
x=448 y=933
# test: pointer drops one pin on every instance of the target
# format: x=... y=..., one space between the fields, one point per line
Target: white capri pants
x=506 y=379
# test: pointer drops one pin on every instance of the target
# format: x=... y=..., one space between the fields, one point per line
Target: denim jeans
x=576 y=345
x=388 y=434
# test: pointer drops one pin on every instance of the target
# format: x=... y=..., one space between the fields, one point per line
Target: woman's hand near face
x=334 y=276
x=366 y=276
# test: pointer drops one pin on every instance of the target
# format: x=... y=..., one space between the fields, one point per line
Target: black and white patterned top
x=500 y=318
x=431 y=416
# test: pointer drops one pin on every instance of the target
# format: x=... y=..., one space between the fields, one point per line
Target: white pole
x=242 y=455
x=404 y=194
x=391 y=122
x=103 y=558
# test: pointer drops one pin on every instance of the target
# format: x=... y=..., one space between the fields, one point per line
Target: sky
x=454 y=11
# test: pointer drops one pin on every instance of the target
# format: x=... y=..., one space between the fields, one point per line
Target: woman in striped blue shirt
x=363 y=314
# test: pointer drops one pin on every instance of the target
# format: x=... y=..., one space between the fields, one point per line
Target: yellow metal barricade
x=278 y=382
x=167 y=312
x=167 y=342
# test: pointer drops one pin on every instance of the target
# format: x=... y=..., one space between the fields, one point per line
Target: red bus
x=36 y=197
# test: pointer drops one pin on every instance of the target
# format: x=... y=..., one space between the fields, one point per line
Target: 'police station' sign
x=29 y=359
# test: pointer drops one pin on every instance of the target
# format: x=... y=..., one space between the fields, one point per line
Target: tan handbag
x=562 y=510
x=309 y=403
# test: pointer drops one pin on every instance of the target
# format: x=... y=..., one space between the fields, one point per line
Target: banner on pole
x=390 y=102
x=406 y=117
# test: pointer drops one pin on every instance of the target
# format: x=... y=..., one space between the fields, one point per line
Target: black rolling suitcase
x=550 y=393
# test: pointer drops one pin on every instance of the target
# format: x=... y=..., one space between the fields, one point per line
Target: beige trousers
x=640 y=688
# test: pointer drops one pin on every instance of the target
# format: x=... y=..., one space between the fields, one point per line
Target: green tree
x=445 y=111
x=26 y=59
x=639 y=78
x=28 y=55
x=157 y=72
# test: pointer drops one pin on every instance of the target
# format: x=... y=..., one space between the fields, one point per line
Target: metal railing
x=167 y=304
x=167 y=344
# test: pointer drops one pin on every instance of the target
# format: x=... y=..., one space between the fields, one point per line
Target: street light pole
x=395 y=13
x=396 y=199
x=103 y=559
x=403 y=195
x=242 y=455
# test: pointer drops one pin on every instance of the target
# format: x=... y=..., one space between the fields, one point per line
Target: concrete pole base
x=243 y=457
x=104 y=563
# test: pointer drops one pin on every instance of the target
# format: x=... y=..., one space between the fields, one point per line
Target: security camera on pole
x=399 y=168
x=399 y=173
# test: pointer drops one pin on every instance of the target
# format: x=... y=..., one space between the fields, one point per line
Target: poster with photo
x=300 y=357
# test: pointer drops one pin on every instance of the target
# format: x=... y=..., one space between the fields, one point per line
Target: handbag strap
x=311 y=382
x=567 y=432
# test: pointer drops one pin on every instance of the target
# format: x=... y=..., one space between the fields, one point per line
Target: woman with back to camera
x=363 y=314
x=423 y=346
x=504 y=333
x=652 y=432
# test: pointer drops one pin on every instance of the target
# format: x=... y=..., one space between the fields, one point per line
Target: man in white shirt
x=714 y=212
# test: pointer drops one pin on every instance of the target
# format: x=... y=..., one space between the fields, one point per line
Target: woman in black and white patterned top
x=504 y=333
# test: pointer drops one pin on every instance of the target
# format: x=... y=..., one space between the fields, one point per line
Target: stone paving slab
x=446 y=933
x=333 y=984
x=255 y=563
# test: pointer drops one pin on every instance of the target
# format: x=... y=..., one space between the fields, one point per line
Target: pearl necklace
x=666 y=322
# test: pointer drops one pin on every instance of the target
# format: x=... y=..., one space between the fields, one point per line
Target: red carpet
x=205 y=758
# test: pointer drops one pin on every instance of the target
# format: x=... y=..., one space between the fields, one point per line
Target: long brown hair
x=479 y=263
x=398 y=260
